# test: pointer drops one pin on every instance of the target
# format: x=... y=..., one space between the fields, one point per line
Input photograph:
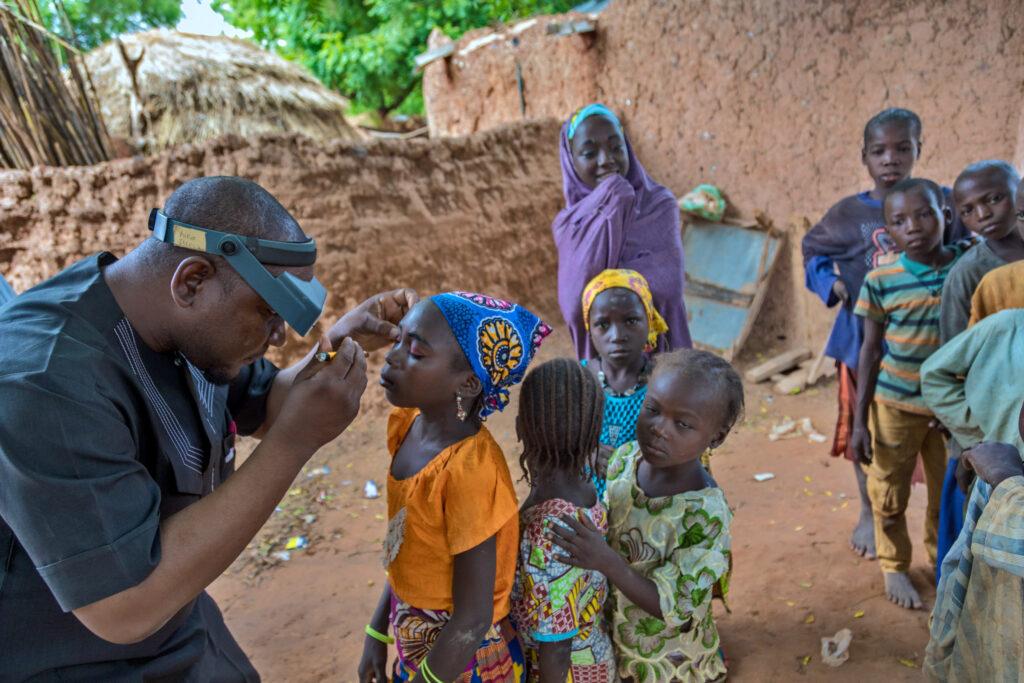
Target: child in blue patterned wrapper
x=619 y=313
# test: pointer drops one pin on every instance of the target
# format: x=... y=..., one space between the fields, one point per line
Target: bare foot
x=900 y=590
x=862 y=540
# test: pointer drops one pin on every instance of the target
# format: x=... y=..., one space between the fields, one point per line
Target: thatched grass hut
x=163 y=88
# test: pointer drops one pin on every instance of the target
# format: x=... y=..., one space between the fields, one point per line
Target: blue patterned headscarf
x=596 y=109
x=498 y=337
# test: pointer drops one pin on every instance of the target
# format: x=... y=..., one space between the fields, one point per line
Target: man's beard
x=215 y=374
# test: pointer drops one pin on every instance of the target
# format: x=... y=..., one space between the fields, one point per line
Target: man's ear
x=191 y=275
x=947 y=215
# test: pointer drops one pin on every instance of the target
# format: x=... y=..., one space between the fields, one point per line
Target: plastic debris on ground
x=370 y=490
x=281 y=555
x=309 y=519
x=297 y=543
x=318 y=472
x=763 y=476
x=836 y=650
x=782 y=429
x=812 y=434
x=791 y=429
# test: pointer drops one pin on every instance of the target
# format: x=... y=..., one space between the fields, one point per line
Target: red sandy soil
x=302 y=620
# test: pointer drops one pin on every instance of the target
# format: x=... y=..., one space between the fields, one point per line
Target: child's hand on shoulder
x=583 y=543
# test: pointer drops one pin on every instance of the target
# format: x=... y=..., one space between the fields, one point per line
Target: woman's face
x=598 y=151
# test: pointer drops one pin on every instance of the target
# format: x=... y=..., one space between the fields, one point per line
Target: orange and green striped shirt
x=905 y=297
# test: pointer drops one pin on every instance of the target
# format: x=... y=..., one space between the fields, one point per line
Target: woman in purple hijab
x=615 y=216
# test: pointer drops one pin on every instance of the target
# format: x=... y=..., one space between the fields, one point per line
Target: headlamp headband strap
x=267 y=252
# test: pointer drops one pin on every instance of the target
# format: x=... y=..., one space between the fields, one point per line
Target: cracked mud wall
x=469 y=213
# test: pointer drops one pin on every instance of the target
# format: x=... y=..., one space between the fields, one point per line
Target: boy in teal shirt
x=900 y=304
x=975 y=384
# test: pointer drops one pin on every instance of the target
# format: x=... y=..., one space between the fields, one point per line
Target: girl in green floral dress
x=668 y=534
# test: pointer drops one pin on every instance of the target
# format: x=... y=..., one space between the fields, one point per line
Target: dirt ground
x=795 y=579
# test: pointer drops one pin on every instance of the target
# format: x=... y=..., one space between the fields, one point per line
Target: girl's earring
x=460 y=410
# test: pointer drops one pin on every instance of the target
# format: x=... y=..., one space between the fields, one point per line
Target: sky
x=197 y=16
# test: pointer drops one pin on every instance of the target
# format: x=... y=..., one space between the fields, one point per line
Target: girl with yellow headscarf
x=623 y=326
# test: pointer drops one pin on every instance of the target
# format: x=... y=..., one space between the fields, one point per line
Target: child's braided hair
x=707 y=368
x=560 y=410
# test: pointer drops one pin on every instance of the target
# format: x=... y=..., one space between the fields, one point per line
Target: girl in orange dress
x=453 y=526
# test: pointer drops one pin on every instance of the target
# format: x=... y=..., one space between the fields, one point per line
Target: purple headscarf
x=626 y=222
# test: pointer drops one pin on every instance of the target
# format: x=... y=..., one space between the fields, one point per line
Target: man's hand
x=373 y=324
x=994 y=462
x=323 y=398
x=860 y=441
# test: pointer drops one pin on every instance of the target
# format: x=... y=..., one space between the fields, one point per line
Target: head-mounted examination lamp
x=297 y=301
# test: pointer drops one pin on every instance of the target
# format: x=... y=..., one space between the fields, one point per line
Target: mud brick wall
x=766 y=99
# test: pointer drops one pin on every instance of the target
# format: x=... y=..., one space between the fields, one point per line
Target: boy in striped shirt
x=900 y=305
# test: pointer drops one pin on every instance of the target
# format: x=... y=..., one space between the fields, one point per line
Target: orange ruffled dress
x=456 y=502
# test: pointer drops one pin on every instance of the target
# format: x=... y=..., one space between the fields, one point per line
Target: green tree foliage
x=96 y=21
x=364 y=49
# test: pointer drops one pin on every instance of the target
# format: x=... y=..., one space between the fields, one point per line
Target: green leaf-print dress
x=682 y=544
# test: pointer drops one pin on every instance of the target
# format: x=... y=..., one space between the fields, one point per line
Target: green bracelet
x=428 y=674
x=377 y=635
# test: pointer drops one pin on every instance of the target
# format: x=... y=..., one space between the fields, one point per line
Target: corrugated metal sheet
x=727 y=269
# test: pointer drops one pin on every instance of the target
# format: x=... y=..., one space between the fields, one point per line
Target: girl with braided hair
x=558 y=608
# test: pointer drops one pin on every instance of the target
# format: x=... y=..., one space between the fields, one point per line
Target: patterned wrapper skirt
x=499 y=658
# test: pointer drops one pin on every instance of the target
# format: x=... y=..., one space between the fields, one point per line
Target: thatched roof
x=190 y=88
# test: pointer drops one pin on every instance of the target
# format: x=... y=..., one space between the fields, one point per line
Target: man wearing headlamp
x=122 y=386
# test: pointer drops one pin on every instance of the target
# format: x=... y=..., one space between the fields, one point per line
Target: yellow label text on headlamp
x=189 y=238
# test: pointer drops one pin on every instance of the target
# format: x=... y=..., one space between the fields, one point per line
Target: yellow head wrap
x=634 y=282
